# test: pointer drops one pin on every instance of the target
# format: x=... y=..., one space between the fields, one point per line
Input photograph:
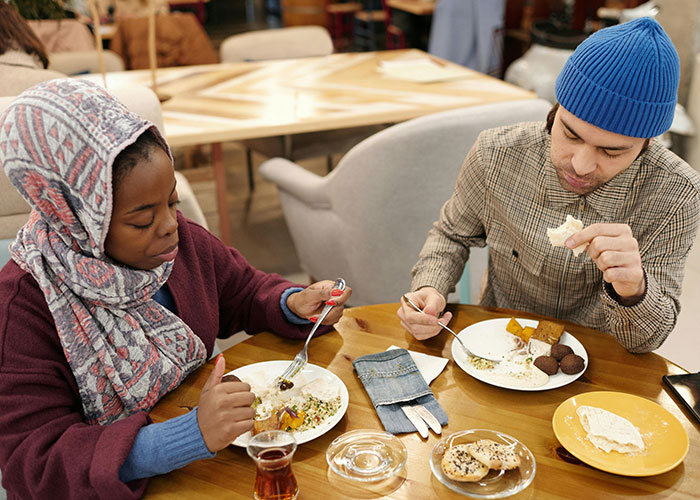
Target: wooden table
x=469 y=403
x=417 y=7
x=229 y=102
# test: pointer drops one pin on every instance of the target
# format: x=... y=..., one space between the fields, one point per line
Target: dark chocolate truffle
x=560 y=350
x=572 y=363
x=547 y=364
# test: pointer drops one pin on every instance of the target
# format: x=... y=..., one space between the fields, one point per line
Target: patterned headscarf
x=58 y=141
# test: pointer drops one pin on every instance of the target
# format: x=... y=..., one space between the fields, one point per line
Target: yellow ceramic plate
x=665 y=439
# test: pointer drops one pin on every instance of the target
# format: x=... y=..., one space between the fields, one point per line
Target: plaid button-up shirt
x=508 y=194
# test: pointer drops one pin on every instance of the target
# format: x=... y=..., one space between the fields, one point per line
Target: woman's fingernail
x=336 y=293
x=330 y=302
x=313 y=319
x=221 y=354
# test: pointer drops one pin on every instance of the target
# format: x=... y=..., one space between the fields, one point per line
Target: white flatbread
x=494 y=455
x=459 y=465
x=610 y=432
x=558 y=236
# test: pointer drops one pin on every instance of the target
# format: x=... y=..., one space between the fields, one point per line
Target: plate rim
x=453 y=487
x=344 y=401
x=577 y=346
x=557 y=416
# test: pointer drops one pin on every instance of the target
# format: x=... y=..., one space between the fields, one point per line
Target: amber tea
x=272 y=452
x=275 y=480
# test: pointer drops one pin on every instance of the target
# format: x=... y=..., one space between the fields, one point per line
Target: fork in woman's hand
x=302 y=357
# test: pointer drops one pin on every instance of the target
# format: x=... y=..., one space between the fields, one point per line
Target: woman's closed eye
x=143 y=226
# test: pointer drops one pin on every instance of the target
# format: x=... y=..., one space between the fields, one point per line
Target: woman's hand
x=309 y=302
x=224 y=409
x=423 y=325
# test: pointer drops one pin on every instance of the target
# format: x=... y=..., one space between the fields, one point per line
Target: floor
x=260 y=233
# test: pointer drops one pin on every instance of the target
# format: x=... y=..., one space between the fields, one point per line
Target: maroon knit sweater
x=46 y=450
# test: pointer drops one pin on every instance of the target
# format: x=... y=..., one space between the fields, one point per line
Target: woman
x=111 y=299
x=23 y=60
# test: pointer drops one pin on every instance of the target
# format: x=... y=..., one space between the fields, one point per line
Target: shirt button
x=515 y=253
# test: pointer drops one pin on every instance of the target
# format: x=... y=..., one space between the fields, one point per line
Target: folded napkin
x=428 y=366
x=391 y=378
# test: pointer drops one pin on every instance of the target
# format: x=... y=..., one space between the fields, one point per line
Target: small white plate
x=311 y=372
x=498 y=325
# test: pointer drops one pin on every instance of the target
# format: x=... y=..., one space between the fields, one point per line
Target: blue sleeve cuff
x=163 y=447
x=291 y=317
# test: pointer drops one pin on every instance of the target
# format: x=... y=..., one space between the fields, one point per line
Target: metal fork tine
x=290 y=369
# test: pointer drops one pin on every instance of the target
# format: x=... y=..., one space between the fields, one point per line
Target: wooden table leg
x=221 y=192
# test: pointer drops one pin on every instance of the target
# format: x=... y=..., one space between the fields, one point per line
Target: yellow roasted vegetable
x=291 y=419
x=514 y=327
x=526 y=332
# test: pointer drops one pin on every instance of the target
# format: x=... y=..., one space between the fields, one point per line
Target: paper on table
x=428 y=366
x=423 y=70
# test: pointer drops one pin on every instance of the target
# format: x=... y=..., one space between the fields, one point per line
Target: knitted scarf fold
x=58 y=141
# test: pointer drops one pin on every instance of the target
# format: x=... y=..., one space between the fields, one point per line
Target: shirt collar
x=606 y=200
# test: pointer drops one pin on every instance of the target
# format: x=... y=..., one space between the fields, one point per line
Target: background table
x=215 y=103
x=469 y=403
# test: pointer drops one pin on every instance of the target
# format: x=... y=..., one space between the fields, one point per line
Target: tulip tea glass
x=272 y=452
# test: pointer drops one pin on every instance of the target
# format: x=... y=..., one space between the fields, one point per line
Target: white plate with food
x=516 y=369
x=316 y=402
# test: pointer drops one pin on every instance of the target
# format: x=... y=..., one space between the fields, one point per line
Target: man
x=594 y=159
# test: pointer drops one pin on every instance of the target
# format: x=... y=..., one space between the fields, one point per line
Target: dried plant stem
x=98 y=39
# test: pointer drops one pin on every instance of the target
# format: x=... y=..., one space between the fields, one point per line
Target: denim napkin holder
x=390 y=379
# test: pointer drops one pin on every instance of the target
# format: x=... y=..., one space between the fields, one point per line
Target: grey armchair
x=368 y=219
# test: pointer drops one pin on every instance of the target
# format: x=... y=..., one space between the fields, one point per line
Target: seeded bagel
x=494 y=455
x=459 y=465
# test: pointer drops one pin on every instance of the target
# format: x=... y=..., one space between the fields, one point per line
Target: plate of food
x=482 y=463
x=315 y=402
x=530 y=355
x=620 y=433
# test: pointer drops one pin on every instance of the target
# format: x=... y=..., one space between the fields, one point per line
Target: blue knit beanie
x=623 y=79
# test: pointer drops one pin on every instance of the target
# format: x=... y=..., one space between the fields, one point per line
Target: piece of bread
x=558 y=236
x=609 y=431
x=270 y=423
x=459 y=465
x=494 y=455
x=548 y=331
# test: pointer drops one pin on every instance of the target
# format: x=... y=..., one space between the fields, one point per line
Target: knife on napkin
x=416 y=420
x=429 y=418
